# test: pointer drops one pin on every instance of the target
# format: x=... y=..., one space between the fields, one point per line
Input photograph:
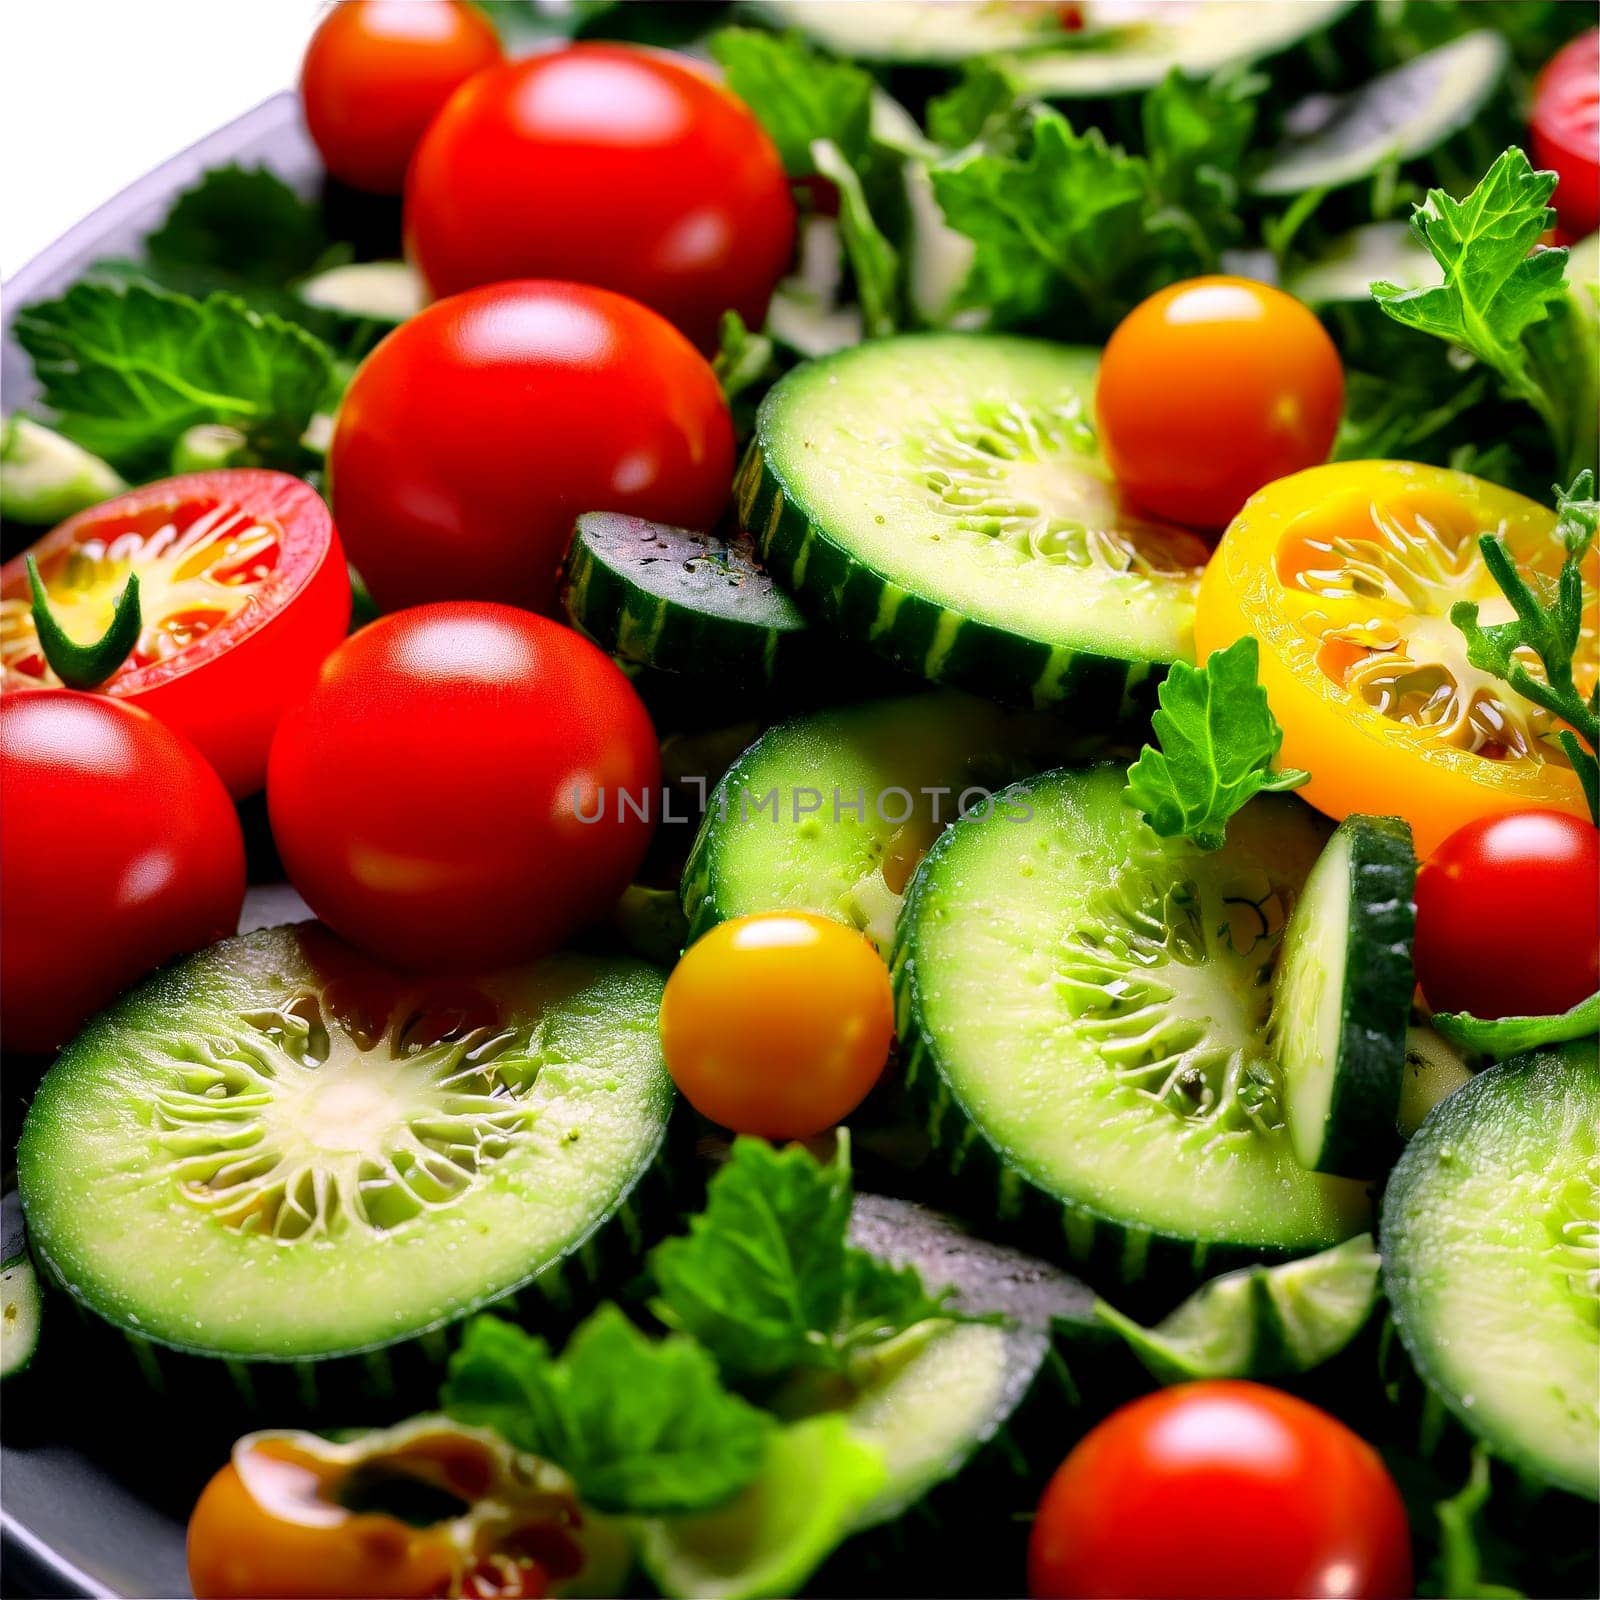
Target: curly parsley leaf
x=765 y=1278
x=1217 y=739
x=1497 y=291
x=128 y=369
x=640 y=1425
x=1196 y=133
x=983 y=107
x=743 y=358
x=798 y=94
x=1548 y=622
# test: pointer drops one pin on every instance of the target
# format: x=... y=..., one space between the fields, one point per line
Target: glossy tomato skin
x=607 y=164
x=1220 y=1491
x=1210 y=389
x=119 y=849
x=1565 y=128
x=376 y=73
x=777 y=1024
x=1508 y=916
x=475 y=434
x=226 y=690
x=422 y=797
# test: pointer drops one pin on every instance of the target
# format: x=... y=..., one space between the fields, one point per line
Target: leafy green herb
x=1509 y=1036
x=765 y=1278
x=1460 y=1562
x=983 y=108
x=128 y=370
x=873 y=260
x=1217 y=739
x=1550 y=625
x=798 y=94
x=242 y=226
x=1497 y=289
x=1196 y=132
x=743 y=359
x=641 y=1426
x=85 y=666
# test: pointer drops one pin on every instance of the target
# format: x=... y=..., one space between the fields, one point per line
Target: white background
x=93 y=93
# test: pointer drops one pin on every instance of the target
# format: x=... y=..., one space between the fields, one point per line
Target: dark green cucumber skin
x=373 y=1386
x=846 y=597
x=673 y=635
x=1361 y=1136
x=1441 y=1422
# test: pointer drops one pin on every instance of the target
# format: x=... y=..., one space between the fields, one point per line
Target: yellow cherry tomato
x=1346 y=575
x=777 y=1024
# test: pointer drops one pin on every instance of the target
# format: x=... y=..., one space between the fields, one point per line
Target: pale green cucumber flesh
x=275 y=1150
x=1491 y=1260
x=771 y=1537
x=1434 y=1069
x=678 y=600
x=21 y=1307
x=942 y=498
x=374 y=291
x=1399 y=115
x=912 y=30
x=1090 y=1003
x=1345 y=272
x=1343 y=998
x=831 y=812
x=1260 y=1322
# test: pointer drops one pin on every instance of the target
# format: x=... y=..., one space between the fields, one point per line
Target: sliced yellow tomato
x=1346 y=574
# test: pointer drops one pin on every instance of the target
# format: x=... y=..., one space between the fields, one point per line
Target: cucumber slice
x=276 y=1151
x=1083 y=1006
x=831 y=813
x=1433 y=1070
x=1260 y=1322
x=912 y=30
x=1345 y=272
x=1491 y=1260
x=21 y=1305
x=941 y=497
x=1399 y=115
x=681 y=601
x=770 y=1538
x=939 y=1398
x=1343 y=998
x=367 y=291
x=45 y=478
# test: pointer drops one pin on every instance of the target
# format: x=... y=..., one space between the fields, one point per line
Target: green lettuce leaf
x=641 y=1426
x=1509 y=1036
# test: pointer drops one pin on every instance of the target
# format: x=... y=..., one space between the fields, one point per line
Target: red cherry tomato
x=375 y=74
x=119 y=849
x=1209 y=390
x=1566 y=130
x=607 y=164
x=243 y=590
x=1508 y=916
x=476 y=432
x=1224 y=1490
x=452 y=792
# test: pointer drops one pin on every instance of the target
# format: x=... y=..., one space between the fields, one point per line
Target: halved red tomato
x=243 y=590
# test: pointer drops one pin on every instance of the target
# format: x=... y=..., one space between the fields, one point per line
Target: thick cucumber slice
x=1343 y=999
x=831 y=813
x=912 y=30
x=1260 y=1322
x=21 y=1305
x=936 y=1397
x=276 y=1150
x=769 y=1539
x=1084 y=1006
x=1433 y=1070
x=1401 y=114
x=680 y=601
x=1345 y=272
x=941 y=497
x=1199 y=39
x=1491 y=1260
x=367 y=291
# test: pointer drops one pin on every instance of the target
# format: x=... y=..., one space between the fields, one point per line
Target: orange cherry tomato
x=1210 y=389
x=1346 y=575
x=375 y=73
x=291 y=1517
x=777 y=1024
